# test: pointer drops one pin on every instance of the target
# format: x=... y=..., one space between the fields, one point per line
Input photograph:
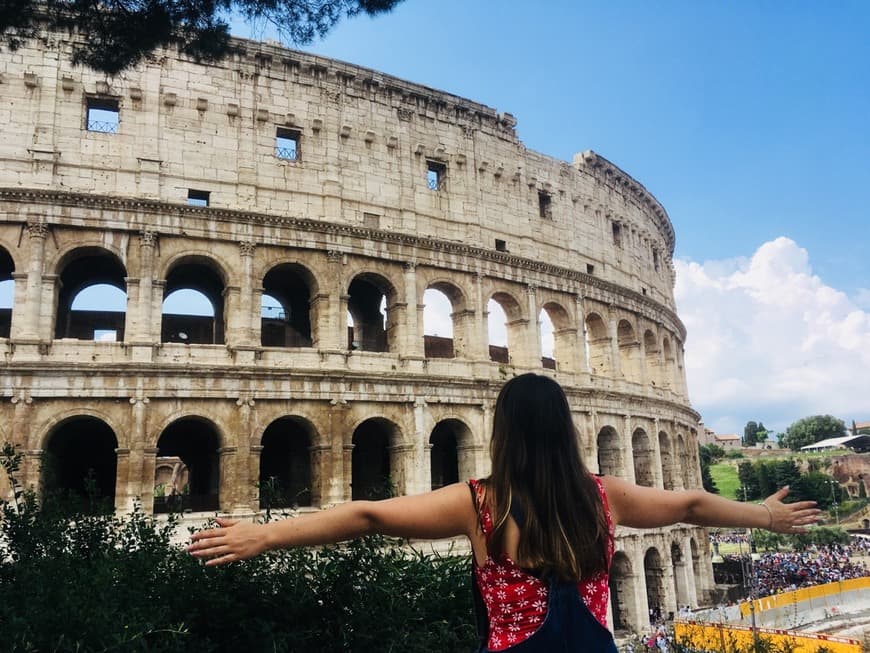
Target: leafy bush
x=90 y=581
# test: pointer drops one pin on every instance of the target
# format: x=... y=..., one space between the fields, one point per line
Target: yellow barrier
x=805 y=594
x=739 y=639
x=735 y=639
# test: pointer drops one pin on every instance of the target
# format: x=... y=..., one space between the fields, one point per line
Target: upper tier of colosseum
x=367 y=149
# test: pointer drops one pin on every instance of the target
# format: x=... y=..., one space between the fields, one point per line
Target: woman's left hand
x=790 y=517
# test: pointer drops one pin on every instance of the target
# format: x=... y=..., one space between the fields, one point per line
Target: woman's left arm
x=644 y=507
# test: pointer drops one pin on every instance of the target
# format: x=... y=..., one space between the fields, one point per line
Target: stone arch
x=447 y=465
x=285 y=307
x=80 y=269
x=371 y=305
x=79 y=457
x=513 y=326
x=191 y=446
x=681 y=579
x=598 y=345
x=654 y=571
x=629 y=351
x=202 y=276
x=667 y=456
x=651 y=355
x=285 y=479
x=609 y=452
x=7 y=291
x=562 y=336
x=644 y=459
x=374 y=459
x=443 y=335
x=621 y=592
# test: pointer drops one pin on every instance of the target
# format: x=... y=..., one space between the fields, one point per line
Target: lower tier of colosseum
x=202 y=440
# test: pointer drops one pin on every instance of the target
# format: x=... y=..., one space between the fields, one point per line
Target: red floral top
x=516 y=601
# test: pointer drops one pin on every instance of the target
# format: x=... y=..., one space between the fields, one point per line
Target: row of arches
x=92 y=298
x=674 y=469
x=671 y=581
x=79 y=457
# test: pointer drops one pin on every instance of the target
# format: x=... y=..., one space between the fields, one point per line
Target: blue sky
x=747 y=120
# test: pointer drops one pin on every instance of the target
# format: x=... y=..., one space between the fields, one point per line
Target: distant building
x=728 y=441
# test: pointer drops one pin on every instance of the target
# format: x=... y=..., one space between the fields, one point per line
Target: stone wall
x=332 y=190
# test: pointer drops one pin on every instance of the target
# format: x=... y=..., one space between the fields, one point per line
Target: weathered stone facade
x=333 y=190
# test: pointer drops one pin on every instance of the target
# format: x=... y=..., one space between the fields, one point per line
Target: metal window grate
x=286 y=153
x=102 y=126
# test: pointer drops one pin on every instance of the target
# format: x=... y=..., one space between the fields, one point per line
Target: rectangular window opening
x=656 y=259
x=197 y=197
x=500 y=245
x=545 y=205
x=617 y=234
x=287 y=144
x=371 y=220
x=103 y=115
x=436 y=173
x=590 y=269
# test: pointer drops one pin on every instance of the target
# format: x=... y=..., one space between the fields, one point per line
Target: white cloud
x=769 y=341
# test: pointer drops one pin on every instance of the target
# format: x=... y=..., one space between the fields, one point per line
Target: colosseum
x=321 y=212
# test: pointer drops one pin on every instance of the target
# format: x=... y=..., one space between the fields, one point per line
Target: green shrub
x=80 y=581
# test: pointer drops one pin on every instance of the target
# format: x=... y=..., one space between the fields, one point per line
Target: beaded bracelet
x=770 y=514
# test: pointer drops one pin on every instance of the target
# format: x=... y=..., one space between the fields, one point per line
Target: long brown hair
x=536 y=460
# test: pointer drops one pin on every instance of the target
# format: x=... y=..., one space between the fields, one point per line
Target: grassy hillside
x=725 y=477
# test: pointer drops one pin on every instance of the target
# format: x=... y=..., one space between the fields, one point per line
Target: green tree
x=809 y=430
x=122 y=32
x=749 y=432
x=748 y=475
x=708 y=454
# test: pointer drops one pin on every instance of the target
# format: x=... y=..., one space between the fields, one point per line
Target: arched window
x=437 y=324
x=193 y=304
x=285 y=315
x=285 y=464
x=370 y=461
x=80 y=462
x=92 y=300
x=190 y=445
x=369 y=304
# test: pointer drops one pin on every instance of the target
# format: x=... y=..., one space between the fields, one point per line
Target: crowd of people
x=785 y=571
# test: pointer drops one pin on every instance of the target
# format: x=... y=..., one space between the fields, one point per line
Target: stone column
x=149 y=469
x=479 y=333
x=412 y=343
x=402 y=463
x=333 y=331
x=658 y=471
x=138 y=485
x=29 y=329
x=321 y=473
x=254 y=454
x=612 y=332
x=418 y=467
x=582 y=353
x=245 y=328
x=123 y=498
x=469 y=461
x=532 y=339
x=21 y=436
x=628 y=450
x=227 y=483
x=244 y=482
x=336 y=461
x=143 y=329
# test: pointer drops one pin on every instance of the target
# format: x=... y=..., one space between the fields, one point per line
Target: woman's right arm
x=447 y=512
x=645 y=507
